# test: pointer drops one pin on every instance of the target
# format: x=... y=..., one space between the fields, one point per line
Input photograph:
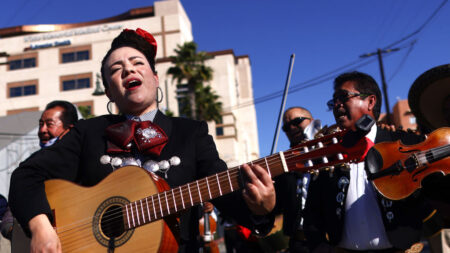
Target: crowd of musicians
x=338 y=208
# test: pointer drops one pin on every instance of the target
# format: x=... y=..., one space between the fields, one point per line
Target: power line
x=303 y=85
x=402 y=62
x=317 y=80
x=420 y=28
x=15 y=14
x=38 y=11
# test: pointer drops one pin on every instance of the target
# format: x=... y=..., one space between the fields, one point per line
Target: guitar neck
x=166 y=203
x=323 y=152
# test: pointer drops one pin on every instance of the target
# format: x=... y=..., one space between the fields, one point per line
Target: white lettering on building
x=70 y=33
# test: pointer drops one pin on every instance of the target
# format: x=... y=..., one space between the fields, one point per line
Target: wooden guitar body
x=83 y=216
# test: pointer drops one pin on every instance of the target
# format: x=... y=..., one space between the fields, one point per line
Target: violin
x=404 y=166
x=207 y=227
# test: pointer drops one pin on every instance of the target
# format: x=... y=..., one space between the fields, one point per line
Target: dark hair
x=129 y=38
x=364 y=84
x=69 y=114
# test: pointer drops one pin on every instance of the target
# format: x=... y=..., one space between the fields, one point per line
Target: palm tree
x=201 y=102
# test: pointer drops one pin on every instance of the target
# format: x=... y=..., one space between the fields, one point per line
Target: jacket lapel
x=164 y=122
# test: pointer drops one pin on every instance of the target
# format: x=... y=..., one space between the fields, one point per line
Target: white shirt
x=363 y=225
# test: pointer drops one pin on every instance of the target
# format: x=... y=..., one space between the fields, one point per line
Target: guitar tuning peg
x=315 y=174
x=331 y=171
x=345 y=167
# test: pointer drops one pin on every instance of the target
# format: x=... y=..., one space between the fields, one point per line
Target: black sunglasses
x=297 y=121
x=344 y=97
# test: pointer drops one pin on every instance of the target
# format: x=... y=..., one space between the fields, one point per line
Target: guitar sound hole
x=112 y=222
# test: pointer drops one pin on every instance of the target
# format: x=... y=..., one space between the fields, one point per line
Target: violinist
x=429 y=100
x=344 y=205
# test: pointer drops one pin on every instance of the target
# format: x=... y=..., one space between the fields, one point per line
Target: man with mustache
x=344 y=213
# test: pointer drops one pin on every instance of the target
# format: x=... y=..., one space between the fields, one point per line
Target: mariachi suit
x=325 y=206
x=77 y=158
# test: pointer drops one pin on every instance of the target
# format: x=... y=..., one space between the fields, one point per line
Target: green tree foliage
x=201 y=102
x=86 y=111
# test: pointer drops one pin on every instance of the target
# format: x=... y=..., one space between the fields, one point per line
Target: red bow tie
x=149 y=138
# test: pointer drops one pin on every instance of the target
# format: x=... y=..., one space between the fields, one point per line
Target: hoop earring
x=159 y=100
x=109 y=107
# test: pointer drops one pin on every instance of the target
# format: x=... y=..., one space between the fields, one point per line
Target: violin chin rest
x=373 y=162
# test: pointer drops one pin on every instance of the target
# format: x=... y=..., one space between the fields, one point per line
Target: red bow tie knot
x=146 y=136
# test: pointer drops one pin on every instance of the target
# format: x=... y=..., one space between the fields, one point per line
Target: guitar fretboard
x=160 y=205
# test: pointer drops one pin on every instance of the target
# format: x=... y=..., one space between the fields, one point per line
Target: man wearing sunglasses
x=345 y=205
x=299 y=125
x=291 y=188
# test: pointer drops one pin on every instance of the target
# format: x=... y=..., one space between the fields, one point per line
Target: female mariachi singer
x=96 y=147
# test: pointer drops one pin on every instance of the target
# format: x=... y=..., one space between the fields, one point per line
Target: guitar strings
x=233 y=172
x=270 y=160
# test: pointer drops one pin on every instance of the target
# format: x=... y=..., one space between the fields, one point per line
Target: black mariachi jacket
x=76 y=158
x=325 y=205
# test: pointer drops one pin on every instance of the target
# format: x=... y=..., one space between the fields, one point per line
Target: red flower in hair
x=147 y=36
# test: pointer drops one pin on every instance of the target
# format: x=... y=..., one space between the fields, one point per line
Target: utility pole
x=379 y=53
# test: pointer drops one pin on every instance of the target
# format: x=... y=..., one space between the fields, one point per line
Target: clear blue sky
x=324 y=35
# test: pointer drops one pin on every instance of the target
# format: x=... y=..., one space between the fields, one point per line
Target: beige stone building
x=41 y=63
x=402 y=115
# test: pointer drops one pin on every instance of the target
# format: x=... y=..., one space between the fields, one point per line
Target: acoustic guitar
x=132 y=210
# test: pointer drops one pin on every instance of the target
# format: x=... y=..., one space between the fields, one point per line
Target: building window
x=184 y=104
x=20 y=89
x=219 y=127
x=74 y=54
x=76 y=82
x=24 y=61
x=412 y=120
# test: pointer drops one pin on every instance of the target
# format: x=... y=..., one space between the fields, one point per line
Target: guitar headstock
x=325 y=152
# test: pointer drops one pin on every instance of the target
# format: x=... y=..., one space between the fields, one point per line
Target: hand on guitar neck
x=259 y=192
